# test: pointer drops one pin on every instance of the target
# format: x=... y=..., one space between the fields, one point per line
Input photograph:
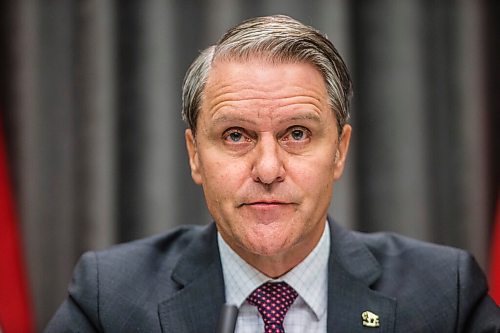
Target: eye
x=235 y=136
x=297 y=134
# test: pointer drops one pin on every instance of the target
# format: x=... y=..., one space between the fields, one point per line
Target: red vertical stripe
x=495 y=258
x=15 y=315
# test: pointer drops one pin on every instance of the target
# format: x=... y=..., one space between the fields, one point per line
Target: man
x=267 y=111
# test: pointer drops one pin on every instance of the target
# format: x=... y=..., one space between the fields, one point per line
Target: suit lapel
x=196 y=306
x=352 y=270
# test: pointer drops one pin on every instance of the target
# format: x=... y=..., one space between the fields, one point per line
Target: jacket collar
x=352 y=269
x=196 y=305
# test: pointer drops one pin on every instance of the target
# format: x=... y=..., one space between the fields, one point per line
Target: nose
x=268 y=165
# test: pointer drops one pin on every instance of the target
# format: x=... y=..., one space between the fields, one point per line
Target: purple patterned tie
x=273 y=301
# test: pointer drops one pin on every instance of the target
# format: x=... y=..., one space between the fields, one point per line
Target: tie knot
x=273 y=299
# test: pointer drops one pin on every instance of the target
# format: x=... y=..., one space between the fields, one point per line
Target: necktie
x=273 y=301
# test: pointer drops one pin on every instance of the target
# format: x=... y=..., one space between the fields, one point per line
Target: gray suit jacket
x=174 y=283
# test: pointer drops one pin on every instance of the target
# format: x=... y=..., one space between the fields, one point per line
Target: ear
x=194 y=161
x=341 y=152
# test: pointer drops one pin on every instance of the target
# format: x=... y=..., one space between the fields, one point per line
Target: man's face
x=267 y=152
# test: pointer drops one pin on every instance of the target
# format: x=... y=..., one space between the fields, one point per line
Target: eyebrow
x=232 y=118
x=307 y=116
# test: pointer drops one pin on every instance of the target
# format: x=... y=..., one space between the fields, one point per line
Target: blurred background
x=90 y=114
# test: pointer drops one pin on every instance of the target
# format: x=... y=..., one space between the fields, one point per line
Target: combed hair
x=277 y=39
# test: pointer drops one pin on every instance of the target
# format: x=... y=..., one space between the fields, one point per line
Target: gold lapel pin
x=370 y=319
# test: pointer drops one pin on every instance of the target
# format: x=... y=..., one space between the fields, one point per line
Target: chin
x=267 y=245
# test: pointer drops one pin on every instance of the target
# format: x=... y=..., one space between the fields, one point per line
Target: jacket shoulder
x=149 y=261
x=412 y=268
x=169 y=245
x=432 y=281
x=129 y=280
x=392 y=245
x=119 y=288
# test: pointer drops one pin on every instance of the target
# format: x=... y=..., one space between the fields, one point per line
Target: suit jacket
x=174 y=283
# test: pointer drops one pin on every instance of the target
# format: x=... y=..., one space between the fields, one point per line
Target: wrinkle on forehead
x=266 y=86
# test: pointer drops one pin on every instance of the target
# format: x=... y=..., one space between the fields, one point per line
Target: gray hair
x=278 y=39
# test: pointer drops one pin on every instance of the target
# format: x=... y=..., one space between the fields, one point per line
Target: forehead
x=257 y=78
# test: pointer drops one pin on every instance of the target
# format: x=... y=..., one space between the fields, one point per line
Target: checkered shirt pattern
x=309 y=279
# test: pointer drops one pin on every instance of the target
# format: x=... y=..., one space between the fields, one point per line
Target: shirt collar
x=309 y=278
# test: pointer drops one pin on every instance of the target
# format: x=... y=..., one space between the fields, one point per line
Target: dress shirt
x=309 y=278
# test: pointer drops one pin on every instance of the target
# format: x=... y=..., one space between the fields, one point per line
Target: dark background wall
x=90 y=100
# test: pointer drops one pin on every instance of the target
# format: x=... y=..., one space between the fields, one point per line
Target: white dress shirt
x=309 y=278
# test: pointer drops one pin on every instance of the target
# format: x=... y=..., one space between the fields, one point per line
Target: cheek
x=223 y=178
x=314 y=174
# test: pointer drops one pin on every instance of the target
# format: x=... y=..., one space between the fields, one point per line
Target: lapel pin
x=370 y=319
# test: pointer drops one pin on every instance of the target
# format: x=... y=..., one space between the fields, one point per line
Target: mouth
x=265 y=203
x=264 y=212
